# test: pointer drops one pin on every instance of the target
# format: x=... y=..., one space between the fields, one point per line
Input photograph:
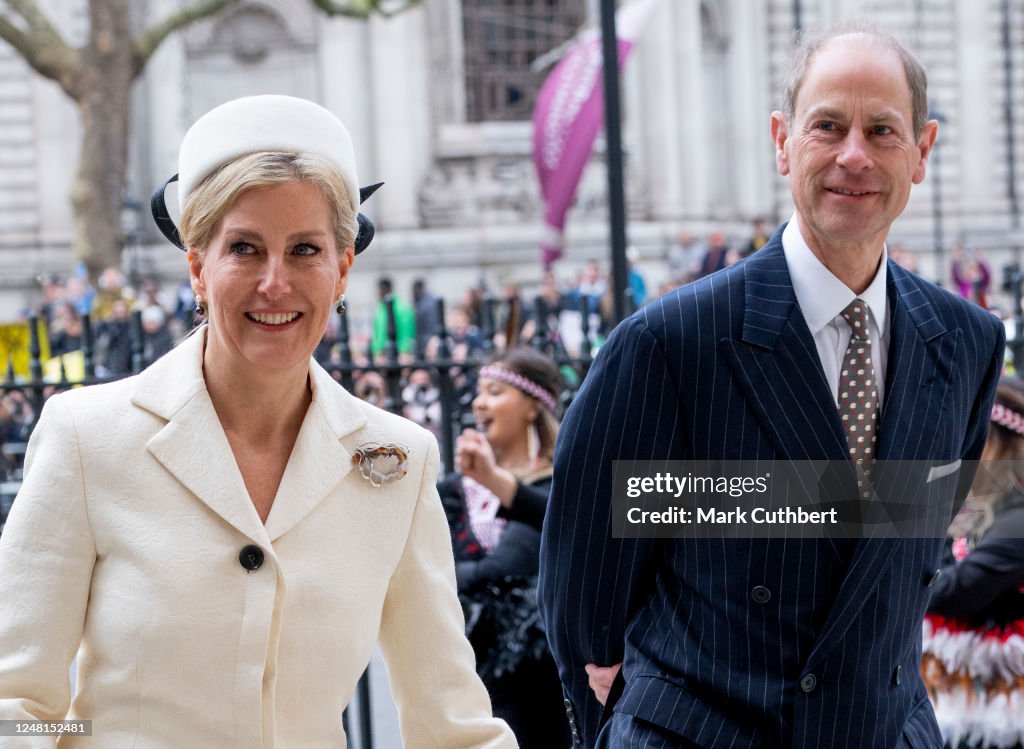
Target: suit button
x=934 y=577
x=576 y=736
x=897 y=675
x=251 y=558
x=761 y=594
x=567 y=703
x=808 y=683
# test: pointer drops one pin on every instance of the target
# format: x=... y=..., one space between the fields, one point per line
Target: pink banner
x=567 y=118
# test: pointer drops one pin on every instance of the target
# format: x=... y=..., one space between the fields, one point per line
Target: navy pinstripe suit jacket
x=726 y=368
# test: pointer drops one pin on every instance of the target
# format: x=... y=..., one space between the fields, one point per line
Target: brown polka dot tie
x=858 y=395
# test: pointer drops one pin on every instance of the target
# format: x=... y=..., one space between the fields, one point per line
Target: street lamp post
x=1008 y=118
x=131 y=228
x=613 y=148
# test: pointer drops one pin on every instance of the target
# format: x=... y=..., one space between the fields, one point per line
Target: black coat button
x=761 y=594
x=897 y=675
x=934 y=577
x=251 y=558
x=567 y=703
x=808 y=683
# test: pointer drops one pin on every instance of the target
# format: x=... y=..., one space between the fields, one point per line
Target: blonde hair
x=207 y=204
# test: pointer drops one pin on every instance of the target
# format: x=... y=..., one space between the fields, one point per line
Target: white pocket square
x=937 y=472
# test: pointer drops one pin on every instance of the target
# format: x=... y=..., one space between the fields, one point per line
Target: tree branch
x=155 y=35
x=364 y=8
x=40 y=45
x=20 y=40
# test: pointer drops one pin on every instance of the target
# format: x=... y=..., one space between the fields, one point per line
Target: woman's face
x=270 y=277
x=503 y=412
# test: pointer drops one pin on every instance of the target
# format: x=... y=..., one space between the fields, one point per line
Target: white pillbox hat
x=269 y=123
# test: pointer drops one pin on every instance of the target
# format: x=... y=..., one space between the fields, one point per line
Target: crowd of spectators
x=571 y=316
x=109 y=305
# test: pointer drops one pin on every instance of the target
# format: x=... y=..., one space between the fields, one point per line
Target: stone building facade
x=438 y=102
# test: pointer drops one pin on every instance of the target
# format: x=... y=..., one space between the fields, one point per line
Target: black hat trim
x=164 y=222
x=163 y=219
x=365 y=234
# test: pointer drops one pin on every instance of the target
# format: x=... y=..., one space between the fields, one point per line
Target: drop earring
x=340 y=308
x=533 y=443
x=200 y=305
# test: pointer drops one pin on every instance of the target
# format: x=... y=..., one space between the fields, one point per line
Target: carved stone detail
x=503 y=190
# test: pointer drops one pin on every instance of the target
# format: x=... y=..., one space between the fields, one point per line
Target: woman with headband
x=974 y=631
x=495 y=506
x=224 y=538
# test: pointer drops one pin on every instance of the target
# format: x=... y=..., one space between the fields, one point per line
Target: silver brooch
x=381 y=463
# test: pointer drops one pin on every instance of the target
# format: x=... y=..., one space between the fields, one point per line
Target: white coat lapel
x=318 y=461
x=192 y=445
x=195 y=449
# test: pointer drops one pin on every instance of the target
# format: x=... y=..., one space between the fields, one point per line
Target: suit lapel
x=192 y=445
x=194 y=448
x=915 y=348
x=775 y=363
x=916 y=338
x=318 y=461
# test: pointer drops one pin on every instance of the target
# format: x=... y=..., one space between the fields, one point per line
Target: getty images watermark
x=787 y=499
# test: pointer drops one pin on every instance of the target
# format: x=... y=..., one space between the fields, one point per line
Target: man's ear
x=924 y=147
x=780 y=135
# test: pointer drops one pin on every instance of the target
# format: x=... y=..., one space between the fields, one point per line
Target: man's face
x=850 y=150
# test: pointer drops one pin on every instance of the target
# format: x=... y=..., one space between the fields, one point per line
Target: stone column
x=750 y=104
x=691 y=118
x=976 y=110
x=398 y=87
x=654 y=97
x=346 y=86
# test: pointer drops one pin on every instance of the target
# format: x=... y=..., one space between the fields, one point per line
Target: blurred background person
x=971 y=275
x=758 y=238
x=684 y=257
x=65 y=330
x=553 y=303
x=112 y=289
x=156 y=337
x=974 y=631
x=405 y=322
x=114 y=339
x=495 y=505
x=902 y=256
x=428 y=323
x=716 y=256
x=637 y=284
x=422 y=401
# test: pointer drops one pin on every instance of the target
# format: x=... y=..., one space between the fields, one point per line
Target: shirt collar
x=819 y=293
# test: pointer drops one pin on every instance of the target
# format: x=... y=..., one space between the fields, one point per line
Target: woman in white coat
x=224 y=538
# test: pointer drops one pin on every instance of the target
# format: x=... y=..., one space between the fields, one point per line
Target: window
x=502 y=38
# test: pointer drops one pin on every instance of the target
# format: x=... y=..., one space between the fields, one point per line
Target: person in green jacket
x=405 y=321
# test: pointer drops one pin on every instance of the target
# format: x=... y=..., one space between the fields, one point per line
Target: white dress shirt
x=822 y=297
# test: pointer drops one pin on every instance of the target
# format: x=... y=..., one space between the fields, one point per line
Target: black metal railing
x=449 y=373
x=454 y=377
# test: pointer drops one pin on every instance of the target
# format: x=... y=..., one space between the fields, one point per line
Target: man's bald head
x=810 y=44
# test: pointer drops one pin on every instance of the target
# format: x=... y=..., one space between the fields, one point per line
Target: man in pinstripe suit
x=774 y=643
